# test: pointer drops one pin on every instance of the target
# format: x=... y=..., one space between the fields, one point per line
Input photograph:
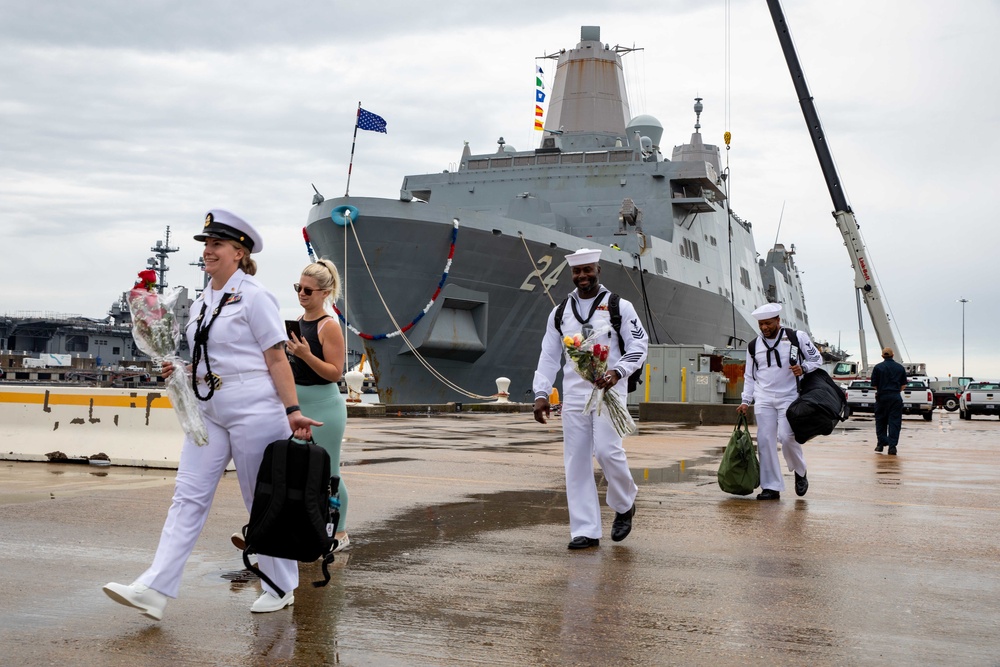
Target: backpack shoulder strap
x=615 y=311
x=557 y=319
x=793 y=340
x=752 y=351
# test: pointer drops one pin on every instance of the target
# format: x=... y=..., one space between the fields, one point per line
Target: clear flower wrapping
x=157 y=333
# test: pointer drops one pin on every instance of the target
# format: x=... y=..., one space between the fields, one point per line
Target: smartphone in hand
x=292 y=326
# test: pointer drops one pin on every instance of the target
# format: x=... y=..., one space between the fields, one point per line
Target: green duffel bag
x=739 y=472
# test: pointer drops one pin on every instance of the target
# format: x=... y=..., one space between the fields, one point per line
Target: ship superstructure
x=598 y=179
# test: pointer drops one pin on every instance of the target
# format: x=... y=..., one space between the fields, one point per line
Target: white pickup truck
x=979 y=398
x=917 y=397
x=861 y=396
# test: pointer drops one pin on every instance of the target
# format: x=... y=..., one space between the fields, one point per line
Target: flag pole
x=347 y=192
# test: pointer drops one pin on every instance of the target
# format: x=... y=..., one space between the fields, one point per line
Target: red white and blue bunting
x=437 y=292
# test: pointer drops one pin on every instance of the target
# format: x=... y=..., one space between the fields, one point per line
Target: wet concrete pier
x=459 y=528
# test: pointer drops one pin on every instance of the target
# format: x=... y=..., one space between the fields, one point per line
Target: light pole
x=963 y=301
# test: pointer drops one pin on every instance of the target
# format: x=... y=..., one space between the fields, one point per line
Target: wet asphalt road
x=459 y=529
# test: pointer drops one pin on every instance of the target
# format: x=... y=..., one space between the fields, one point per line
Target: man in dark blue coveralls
x=888 y=378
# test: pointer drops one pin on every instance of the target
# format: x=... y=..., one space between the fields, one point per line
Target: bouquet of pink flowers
x=590 y=360
x=157 y=333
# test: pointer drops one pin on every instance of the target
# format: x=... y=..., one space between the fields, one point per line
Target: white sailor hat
x=584 y=256
x=767 y=311
x=221 y=224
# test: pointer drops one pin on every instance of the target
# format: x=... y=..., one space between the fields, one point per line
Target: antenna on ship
x=200 y=263
x=160 y=252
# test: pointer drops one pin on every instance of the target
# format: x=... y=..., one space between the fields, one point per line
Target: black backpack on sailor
x=614 y=310
x=292 y=514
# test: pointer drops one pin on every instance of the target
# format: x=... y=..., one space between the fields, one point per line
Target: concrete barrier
x=135 y=427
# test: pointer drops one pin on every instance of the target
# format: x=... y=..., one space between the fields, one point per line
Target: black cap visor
x=217 y=230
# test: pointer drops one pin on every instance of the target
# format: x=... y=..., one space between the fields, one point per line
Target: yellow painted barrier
x=684 y=384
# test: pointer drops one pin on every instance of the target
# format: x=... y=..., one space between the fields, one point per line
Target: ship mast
x=158 y=262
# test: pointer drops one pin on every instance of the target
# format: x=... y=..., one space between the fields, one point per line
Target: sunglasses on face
x=307 y=290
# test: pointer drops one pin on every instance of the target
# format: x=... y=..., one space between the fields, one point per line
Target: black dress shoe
x=892 y=451
x=801 y=485
x=622 y=525
x=879 y=447
x=583 y=542
x=768 y=494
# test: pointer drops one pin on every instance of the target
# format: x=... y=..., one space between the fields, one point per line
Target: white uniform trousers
x=586 y=437
x=242 y=418
x=772 y=428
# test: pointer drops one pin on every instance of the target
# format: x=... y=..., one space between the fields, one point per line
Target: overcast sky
x=122 y=117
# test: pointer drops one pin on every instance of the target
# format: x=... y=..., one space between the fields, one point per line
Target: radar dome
x=647 y=126
x=509 y=149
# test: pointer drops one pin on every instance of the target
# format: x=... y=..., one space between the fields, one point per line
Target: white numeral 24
x=548 y=281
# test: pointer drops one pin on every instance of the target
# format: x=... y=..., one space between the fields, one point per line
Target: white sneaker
x=342 y=544
x=239 y=541
x=271 y=602
x=141 y=597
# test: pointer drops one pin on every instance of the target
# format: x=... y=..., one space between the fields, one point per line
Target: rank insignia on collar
x=235 y=298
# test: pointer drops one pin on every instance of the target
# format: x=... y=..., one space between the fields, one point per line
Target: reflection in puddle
x=682 y=471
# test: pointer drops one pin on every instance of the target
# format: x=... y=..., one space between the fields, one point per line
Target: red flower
x=147 y=280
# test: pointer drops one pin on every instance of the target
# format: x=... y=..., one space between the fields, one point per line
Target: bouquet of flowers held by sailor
x=157 y=333
x=590 y=359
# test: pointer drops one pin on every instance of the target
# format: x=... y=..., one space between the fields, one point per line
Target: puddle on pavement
x=365 y=462
x=388 y=546
x=685 y=470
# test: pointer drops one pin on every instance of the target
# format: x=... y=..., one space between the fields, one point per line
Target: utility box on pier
x=681 y=373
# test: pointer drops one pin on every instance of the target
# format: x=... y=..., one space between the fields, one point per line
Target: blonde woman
x=318 y=364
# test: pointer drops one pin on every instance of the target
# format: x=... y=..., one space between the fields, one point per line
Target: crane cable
x=727 y=174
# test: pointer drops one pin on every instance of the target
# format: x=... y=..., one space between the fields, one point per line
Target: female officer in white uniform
x=241 y=373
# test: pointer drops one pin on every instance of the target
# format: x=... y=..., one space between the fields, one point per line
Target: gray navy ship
x=471 y=262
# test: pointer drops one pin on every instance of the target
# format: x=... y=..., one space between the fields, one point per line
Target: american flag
x=369 y=121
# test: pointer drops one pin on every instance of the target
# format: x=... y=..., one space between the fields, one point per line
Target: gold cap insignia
x=209 y=219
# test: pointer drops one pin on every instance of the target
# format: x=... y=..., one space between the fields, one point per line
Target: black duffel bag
x=821 y=405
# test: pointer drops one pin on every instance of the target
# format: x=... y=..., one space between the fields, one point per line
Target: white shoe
x=342 y=544
x=239 y=541
x=141 y=597
x=271 y=602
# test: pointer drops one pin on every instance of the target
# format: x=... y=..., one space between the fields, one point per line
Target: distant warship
x=670 y=243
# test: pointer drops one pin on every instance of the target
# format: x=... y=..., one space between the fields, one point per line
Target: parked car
x=980 y=398
x=918 y=399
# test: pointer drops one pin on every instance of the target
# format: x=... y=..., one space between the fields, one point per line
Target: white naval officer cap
x=222 y=224
x=767 y=311
x=584 y=256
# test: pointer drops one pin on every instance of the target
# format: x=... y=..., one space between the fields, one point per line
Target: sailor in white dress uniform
x=590 y=436
x=769 y=383
x=237 y=337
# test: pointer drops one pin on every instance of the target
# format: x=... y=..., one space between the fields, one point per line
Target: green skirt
x=326 y=404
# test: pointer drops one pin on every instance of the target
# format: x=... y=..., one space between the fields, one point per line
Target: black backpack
x=820 y=406
x=614 y=310
x=292 y=514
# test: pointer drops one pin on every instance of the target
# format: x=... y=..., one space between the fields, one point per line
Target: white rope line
x=433 y=371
